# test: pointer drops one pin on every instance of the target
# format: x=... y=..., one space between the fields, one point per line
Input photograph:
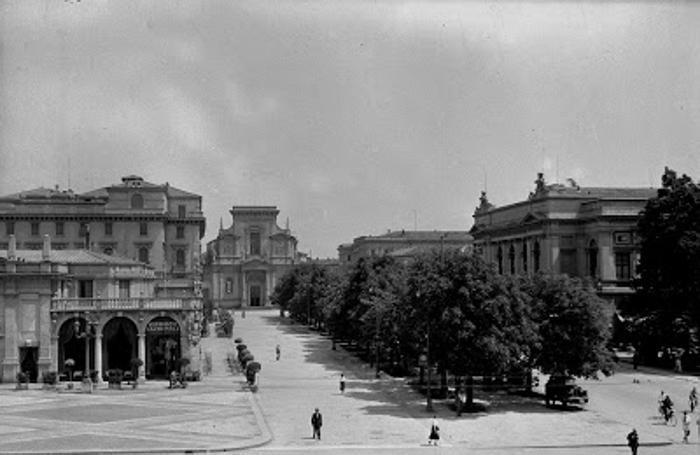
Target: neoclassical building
x=156 y=224
x=579 y=231
x=244 y=262
x=98 y=309
x=402 y=245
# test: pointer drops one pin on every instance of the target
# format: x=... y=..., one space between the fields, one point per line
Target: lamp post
x=429 y=403
x=426 y=359
x=86 y=334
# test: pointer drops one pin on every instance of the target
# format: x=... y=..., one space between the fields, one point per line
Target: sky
x=353 y=117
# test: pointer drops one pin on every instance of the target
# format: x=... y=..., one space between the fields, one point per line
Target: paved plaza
x=373 y=416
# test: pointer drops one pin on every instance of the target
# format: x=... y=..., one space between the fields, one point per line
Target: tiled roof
x=170 y=190
x=599 y=192
x=422 y=235
x=72 y=257
x=42 y=193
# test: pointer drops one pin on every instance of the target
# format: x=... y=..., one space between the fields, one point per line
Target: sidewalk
x=214 y=414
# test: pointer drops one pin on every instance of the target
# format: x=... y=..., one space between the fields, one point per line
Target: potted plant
x=70 y=364
x=136 y=363
x=50 y=379
x=22 y=380
x=114 y=378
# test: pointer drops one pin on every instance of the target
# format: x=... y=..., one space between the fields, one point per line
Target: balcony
x=124 y=304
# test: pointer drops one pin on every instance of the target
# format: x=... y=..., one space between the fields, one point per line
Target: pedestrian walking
x=278 y=352
x=316 y=424
x=434 y=437
x=342 y=383
x=693 y=399
x=633 y=441
x=686 y=426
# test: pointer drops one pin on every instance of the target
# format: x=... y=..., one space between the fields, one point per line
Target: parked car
x=564 y=390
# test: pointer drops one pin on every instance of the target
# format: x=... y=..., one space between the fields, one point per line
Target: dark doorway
x=72 y=345
x=255 y=294
x=120 y=344
x=162 y=346
x=28 y=358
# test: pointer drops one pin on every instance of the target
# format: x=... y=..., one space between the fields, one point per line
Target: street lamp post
x=426 y=359
x=86 y=334
x=429 y=404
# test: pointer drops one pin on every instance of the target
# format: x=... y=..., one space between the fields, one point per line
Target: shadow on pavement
x=393 y=395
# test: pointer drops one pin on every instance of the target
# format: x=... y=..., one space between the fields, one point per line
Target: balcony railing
x=124 y=304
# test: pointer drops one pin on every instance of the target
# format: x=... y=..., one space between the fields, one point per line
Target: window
x=181 y=211
x=136 y=201
x=229 y=285
x=108 y=251
x=180 y=232
x=623 y=266
x=593 y=258
x=255 y=243
x=143 y=255
x=59 y=228
x=124 y=289
x=84 y=289
x=511 y=259
x=536 y=257
x=524 y=257
x=500 y=260
x=143 y=228
x=35 y=228
x=10 y=228
x=108 y=228
x=180 y=258
x=83 y=230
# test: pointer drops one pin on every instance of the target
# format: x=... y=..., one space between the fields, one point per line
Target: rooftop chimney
x=46 y=248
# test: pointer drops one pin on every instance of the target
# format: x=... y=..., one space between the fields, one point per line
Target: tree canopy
x=669 y=270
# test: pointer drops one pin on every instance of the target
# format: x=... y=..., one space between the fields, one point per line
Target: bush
x=22 y=377
x=50 y=378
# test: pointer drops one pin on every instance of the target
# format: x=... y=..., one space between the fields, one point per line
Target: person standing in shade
x=278 y=352
x=633 y=441
x=316 y=423
x=434 y=437
x=342 y=383
x=686 y=426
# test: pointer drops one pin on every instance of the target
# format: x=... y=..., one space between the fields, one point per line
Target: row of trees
x=456 y=310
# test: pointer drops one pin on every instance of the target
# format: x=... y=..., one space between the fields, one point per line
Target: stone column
x=98 y=357
x=142 y=356
x=244 y=290
x=268 y=286
x=10 y=365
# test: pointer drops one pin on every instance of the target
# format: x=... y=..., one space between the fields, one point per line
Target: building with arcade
x=99 y=310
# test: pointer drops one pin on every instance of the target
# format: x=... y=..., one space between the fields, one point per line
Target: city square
x=330 y=226
x=383 y=415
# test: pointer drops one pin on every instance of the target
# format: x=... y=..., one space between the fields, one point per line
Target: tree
x=477 y=321
x=573 y=326
x=666 y=307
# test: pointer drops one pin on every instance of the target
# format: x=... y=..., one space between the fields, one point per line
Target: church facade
x=244 y=262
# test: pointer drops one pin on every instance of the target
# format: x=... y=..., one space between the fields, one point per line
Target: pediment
x=532 y=217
